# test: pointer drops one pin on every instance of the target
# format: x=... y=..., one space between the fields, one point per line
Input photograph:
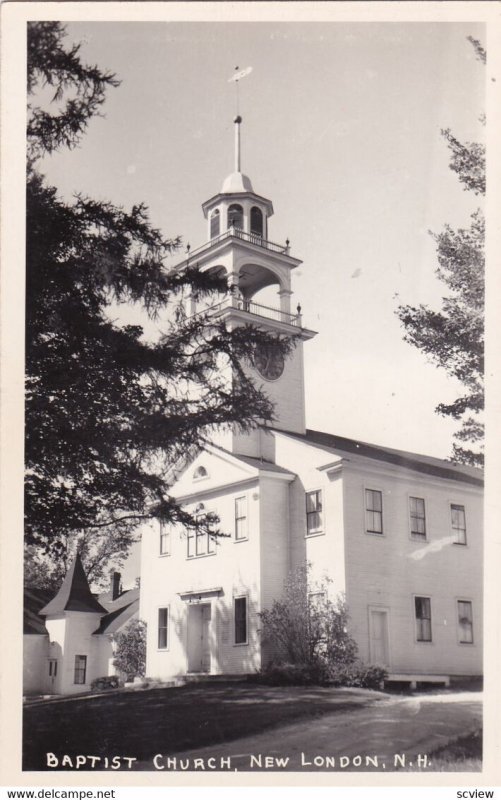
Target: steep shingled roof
x=120 y=610
x=74 y=594
x=119 y=616
x=34 y=600
x=340 y=445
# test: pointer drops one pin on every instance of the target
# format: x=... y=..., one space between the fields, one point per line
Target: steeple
x=74 y=594
x=238 y=245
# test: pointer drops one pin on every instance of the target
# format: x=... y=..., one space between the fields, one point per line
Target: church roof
x=120 y=610
x=74 y=594
x=258 y=463
x=340 y=445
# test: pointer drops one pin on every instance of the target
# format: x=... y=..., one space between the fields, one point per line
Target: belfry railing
x=254 y=309
x=253 y=238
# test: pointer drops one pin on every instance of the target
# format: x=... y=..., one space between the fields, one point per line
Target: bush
x=283 y=674
x=363 y=676
x=130 y=650
x=106 y=682
x=357 y=675
x=307 y=625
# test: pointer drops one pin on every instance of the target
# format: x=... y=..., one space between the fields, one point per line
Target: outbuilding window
x=80 y=669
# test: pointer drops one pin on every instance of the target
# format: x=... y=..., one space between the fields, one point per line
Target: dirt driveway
x=383 y=736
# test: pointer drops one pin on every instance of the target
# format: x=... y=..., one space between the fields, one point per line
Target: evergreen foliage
x=453 y=337
x=108 y=412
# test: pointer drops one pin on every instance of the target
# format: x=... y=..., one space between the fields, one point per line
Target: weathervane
x=236 y=77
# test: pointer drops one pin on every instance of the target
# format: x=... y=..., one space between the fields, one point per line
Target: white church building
x=399 y=534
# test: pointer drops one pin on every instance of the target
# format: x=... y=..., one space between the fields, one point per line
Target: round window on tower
x=236 y=216
x=215 y=224
x=256 y=221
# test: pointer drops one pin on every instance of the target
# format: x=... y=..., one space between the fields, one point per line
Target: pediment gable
x=212 y=468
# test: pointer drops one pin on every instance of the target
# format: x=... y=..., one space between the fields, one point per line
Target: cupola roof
x=235 y=183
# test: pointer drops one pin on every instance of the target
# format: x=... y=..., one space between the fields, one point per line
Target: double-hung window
x=418 y=517
x=465 y=622
x=164 y=539
x=373 y=511
x=80 y=669
x=458 y=521
x=163 y=628
x=241 y=529
x=199 y=540
x=314 y=512
x=240 y=617
x=422 y=606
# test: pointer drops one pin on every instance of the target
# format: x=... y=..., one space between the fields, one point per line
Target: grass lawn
x=170 y=720
x=464 y=754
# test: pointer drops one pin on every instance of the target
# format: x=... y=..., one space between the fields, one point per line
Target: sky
x=341 y=130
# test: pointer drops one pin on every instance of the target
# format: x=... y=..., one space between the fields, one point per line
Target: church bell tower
x=238 y=245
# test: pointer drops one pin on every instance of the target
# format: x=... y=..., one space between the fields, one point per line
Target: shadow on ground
x=172 y=720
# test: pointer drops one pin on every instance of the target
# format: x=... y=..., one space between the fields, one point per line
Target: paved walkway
x=392 y=733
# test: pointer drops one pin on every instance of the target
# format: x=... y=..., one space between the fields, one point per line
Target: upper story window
x=458 y=521
x=199 y=540
x=465 y=622
x=241 y=527
x=164 y=539
x=314 y=512
x=236 y=216
x=373 y=511
x=256 y=221
x=418 y=518
x=215 y=224
x=422 y=606
x=200 y=473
